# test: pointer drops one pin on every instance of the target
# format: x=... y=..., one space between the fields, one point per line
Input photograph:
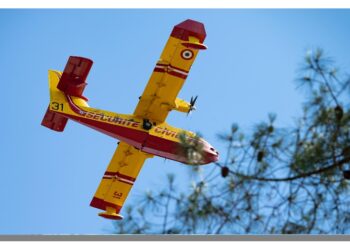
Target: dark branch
x=303 y=175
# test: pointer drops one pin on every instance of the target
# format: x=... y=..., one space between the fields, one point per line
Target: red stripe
x=173 y=73
x=159 y=70
x=101 y=204
x=165 y=65
x=76 y=109
x=179 y=68
x=110 y=173
x=162 y=64
x=171 y=66
x=126 y=177
x=120 y=175
x=108 y=178
x=126 y=182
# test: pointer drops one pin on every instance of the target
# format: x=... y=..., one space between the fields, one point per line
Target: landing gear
x=146 y=124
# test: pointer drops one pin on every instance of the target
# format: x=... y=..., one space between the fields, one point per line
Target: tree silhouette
x=274 y=180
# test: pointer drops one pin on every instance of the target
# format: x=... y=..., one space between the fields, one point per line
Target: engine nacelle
x=183 y=106
x=179 y=105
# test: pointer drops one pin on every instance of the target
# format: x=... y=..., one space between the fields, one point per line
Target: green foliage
x=191 y=147
x=273 y=180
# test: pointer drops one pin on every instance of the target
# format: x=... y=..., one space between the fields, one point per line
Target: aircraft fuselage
x=161 y=139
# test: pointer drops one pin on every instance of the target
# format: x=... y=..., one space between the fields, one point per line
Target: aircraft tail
x=71 y=82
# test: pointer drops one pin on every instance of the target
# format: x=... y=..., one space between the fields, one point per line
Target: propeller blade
x=192 y=103
x=195 y=99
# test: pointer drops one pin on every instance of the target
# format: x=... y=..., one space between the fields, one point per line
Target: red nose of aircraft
x=210 y=153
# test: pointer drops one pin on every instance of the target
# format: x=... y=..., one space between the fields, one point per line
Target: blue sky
x=48 y=179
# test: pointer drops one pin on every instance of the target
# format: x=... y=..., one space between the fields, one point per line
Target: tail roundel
x=71 y=82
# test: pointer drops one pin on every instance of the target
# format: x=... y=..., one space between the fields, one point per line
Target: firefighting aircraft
x=143 y=134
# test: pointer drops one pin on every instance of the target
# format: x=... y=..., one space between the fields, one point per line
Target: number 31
x=57 y=106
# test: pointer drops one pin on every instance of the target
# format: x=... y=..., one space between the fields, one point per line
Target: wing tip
x=188 y=28
x=111 y=216
x=102 y=204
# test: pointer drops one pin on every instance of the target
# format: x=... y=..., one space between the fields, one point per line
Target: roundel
x=187 y=54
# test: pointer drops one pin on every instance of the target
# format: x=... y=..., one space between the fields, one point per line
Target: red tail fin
x=71 y=82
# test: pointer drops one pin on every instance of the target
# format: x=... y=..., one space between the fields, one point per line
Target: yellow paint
x=127 y=161
x=157 y=100
x=58 y=100
x=162 y=130
x=182 y=105
x=162 y=88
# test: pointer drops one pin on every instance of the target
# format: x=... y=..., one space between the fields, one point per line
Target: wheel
x=146 y=124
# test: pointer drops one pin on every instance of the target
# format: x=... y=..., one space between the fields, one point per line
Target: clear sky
x=47 y=179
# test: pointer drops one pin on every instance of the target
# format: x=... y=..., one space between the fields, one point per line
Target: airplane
x=144 y=133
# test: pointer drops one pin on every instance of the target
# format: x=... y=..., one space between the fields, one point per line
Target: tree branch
x=303 y=175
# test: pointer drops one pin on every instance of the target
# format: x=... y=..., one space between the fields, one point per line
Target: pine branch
x=292 y=178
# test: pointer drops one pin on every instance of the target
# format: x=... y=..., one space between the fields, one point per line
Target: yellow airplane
x=142 y=134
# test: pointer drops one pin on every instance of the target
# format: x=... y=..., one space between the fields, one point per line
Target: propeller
x=192 y=103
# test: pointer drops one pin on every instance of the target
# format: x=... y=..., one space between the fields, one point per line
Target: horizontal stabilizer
x=73 y=80
x=54 y=121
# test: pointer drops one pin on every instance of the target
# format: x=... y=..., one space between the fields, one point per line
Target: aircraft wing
x=171 y=71
x=118 y=180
